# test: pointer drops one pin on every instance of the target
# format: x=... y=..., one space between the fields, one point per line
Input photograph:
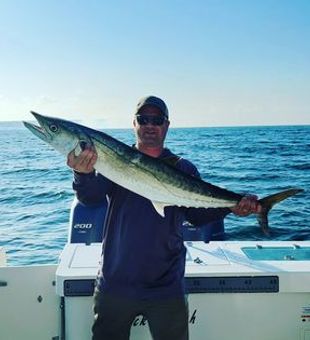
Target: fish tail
x=268 y=202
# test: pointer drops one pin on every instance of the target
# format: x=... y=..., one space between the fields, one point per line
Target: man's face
x=149 y=134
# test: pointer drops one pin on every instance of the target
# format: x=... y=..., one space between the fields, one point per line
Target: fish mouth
x=40 y=131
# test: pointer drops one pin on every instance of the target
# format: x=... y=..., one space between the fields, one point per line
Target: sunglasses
x=153 y=120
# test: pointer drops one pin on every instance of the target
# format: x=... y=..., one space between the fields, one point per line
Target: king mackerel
x=161 y=183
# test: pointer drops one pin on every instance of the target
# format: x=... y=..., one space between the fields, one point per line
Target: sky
x=214 y=62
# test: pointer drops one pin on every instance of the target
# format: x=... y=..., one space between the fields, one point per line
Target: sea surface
x=36 y=185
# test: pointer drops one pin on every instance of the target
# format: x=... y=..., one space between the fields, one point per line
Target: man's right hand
x=84 y=162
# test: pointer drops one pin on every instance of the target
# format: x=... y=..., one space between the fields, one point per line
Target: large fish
x=152 y=178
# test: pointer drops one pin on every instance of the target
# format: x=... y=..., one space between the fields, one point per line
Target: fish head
x=63 y=135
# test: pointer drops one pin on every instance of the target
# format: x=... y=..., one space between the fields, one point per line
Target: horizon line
x=180 y=126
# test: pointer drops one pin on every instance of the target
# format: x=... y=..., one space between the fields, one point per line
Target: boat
x=239 y=290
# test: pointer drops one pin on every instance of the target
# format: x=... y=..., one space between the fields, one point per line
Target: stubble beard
x=150 y=139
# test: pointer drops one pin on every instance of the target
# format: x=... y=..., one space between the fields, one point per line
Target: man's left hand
x=248 y=205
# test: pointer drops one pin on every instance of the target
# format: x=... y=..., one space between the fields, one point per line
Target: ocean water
x=36 y=185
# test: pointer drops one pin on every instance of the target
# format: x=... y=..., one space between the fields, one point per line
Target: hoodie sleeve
x=200 y=216
x=91 y=188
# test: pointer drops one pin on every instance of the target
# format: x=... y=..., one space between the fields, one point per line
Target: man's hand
x=248 y=205
x=84 y=162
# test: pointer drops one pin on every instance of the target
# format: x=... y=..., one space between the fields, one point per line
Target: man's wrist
x=83 y=173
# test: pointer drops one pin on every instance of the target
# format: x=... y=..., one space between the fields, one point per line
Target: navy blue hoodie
x=143 y=253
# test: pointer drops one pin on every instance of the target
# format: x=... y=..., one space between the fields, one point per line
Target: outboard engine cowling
x=86 y=222
x=213 y=231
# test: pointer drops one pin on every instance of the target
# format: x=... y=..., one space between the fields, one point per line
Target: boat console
x=236 y=290
x=246 y=289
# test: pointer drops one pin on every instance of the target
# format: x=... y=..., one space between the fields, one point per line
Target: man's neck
x=150 y=151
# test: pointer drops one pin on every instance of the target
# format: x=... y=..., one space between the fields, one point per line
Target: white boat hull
x=29 y=305
x=232 y=295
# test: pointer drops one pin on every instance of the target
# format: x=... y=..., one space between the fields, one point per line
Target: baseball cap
x=154 y=101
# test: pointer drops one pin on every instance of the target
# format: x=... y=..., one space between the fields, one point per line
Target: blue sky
x=216 y=63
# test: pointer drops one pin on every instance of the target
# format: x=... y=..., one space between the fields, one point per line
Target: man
x=143 y=256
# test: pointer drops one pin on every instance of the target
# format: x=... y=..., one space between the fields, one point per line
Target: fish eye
x=53 y=128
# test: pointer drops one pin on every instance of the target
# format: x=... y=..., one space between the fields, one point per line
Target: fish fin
x=268 y=202
x=159 y=207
